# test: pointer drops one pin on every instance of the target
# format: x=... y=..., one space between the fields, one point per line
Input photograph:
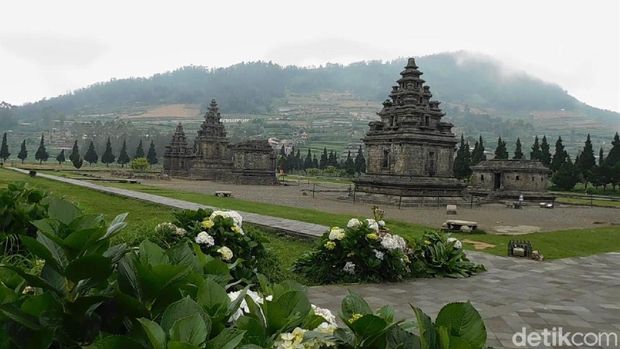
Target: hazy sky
x=51 y=47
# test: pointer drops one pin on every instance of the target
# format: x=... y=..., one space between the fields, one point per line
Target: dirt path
x=491 y=217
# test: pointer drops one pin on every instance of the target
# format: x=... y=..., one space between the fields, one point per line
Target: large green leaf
x=96 y=268
x=128 y=279
x=151 y=254
x=41 y=251
x=182 y=254
x=38 y=304
x=181 y=345
x=14 y=313
x=180 y=309
x=117 y=224
x=397 y=338
x=255 y=332
x=115 y=342
x=286 y=310
x=190 y=329
x=31 y=280
x=229 y=338
x=155 y=334
x=463 y=321
x=212 y=297
x=428 y=335
x=62 y=210
x=354 y=304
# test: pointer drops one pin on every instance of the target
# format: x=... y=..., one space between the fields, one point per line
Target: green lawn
x=587 y=202
x=144 y=216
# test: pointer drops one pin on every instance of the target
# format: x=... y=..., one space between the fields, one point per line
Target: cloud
x=52 y=50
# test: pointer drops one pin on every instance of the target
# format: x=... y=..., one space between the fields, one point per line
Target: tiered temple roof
x=212 y=127
x=178 y=146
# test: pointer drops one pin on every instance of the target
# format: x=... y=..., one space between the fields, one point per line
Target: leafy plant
x=20 y=204
x=435 y=254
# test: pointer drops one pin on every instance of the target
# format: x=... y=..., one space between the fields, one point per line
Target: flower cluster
x=164 y=229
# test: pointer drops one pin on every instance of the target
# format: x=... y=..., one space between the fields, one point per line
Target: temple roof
x=178 y=144
x=511 y=166
x=212 y=126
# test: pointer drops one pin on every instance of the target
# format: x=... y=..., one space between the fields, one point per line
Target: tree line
x=108 y=157
x=293 y=161
x=566 y=173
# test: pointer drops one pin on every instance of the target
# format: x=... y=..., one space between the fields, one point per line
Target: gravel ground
x=491 y=217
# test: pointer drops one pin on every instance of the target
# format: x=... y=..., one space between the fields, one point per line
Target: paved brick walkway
x=269 y=222
x=578 y=294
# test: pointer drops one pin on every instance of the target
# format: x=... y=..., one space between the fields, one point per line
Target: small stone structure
x=508 y=179
x=214 y=158
x=410 y=150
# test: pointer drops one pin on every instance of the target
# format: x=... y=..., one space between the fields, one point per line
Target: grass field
x=588 y=202
x=143 y=217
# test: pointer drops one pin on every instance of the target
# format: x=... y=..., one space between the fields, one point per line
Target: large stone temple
x=213 y=157
x=410 y=150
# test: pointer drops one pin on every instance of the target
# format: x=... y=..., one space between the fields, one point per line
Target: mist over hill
x=459 y=78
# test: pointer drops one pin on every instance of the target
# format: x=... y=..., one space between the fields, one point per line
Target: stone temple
x=410 y=150
x=213 y=157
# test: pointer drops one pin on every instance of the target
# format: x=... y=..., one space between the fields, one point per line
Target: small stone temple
x=214 y=158
x=410 y=150
x=508 y=179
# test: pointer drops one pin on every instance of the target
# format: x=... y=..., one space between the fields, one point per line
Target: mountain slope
x=455 y=78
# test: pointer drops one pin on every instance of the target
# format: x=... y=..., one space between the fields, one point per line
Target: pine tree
x=586 y=161
x=323 y=161
x=75 y=157
x=315 y=162
x=601 y=157
x=613 y=156
x=566 y=176
x=61 y=157
x=560 y=155
x=23 y=152
x=462 y=162
x=298 y=162
x=477 y=156
x=308 y=160
x=518 y=152
x=332 y=160
x=360 y=161
x=4 y=149
x=151 y=156
x=536 y=153
x=500 y=151
x=91 y=154
x=41 y=153
x=139 y=151
x=349 y=165
x=123 y=157
x=108 y=156
x=282 y=163
x=545 y=152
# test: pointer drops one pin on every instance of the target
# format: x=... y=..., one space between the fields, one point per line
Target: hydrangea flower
x=372 y=224
x=336 y=233
x=381 y=223
x=237 y=229
x=372 y=236
x=207 y=223
x=243 y=308
x=203 y=238
x=236 y=217
x=393 y=242
x=457 y=243
x=349 y=267
x=378 y=254
x=227 y=253
x=325 y=314
x=354 y=223
x=330 y=245
x=180 y=231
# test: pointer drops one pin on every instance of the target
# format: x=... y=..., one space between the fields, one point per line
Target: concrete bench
x=223 y=193
x=451 y=209
x=457 y=225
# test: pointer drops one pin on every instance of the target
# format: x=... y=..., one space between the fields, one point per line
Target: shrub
x=435 y=254
x=139 y=164
x=367 y=251
x=221 y=234
x=20 y=204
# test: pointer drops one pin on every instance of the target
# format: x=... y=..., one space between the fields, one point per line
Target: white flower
x=237 y=229
x=227 y=253
x=465 y=229
x=393 y=242
x=349 y=267
x=378 y=254
x=325 y=314
x=457 y=243
x=381 y=223
x=243 y=308
x=354 y=223
x=166 y=228
x=180 y=232
x=336 y=233
x=236 y=217
x=203 y=238
x=372 y=224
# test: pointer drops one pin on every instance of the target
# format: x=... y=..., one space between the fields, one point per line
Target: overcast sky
x=51 y=47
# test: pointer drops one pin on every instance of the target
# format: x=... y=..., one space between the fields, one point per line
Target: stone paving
x=273 y=223
x=578 y=294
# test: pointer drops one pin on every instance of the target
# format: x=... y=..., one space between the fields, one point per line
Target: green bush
x=435 y=254
x=139 y=164
x=20 y=204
